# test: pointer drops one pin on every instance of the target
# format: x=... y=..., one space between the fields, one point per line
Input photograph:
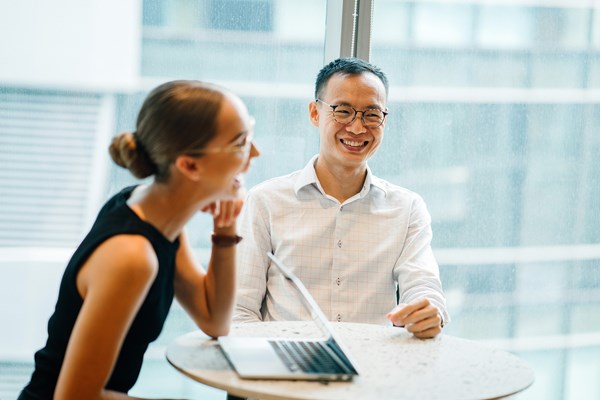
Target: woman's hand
x=225 y=212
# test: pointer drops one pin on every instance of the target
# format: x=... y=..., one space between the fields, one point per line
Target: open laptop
x=322 y=359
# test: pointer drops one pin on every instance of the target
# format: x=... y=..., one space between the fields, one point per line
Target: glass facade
x=497 y=126
x=494 y=120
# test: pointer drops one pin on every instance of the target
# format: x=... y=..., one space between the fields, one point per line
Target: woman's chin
x=235 y=190
x=238 y=182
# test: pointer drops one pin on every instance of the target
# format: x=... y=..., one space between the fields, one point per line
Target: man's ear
x=313 y=113
x=191 y=167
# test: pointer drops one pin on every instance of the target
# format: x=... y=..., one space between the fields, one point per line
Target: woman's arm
x=209 y=296
x=113 y=282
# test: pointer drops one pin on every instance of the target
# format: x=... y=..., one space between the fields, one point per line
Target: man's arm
x=417 y=274
x=252 y=261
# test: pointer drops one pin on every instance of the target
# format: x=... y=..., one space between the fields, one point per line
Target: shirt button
x=338 y=281
x=339 y=318
x=341 y=208
x=340 y=244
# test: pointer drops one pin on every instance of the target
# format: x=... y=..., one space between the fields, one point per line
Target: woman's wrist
x=225 y=230
x=221 y=240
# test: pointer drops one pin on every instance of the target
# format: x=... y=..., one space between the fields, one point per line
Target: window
x=56 y=123
x=495 y=112
x=494 y=119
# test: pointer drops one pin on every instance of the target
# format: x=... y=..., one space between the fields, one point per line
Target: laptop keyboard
x=310 y=357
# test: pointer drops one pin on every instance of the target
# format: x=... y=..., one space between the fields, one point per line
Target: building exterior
x=494 y=119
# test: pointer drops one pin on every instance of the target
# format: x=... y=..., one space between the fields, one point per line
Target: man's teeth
x=351 y=143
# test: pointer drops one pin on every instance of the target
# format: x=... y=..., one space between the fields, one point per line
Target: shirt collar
x=308 y=176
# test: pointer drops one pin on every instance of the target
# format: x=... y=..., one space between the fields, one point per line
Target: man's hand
x=421 y=318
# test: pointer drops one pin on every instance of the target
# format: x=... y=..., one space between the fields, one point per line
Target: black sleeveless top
x=115 y=218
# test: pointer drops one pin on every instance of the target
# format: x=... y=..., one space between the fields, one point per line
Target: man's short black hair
x=347 y=66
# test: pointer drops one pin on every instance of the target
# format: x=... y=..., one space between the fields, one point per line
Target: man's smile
x=354 y=143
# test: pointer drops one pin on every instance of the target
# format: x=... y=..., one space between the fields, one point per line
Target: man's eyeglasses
x=371 y=118
x=243 y=144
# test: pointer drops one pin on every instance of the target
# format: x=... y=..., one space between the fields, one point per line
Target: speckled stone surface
x=392 y=365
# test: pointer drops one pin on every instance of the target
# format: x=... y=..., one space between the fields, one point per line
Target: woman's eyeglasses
x=242 y=144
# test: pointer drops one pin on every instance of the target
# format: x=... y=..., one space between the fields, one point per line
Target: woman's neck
x=166 y=206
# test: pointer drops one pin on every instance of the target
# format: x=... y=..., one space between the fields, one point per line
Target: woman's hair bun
x=128 y=153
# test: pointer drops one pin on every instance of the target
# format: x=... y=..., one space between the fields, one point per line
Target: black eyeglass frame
x=362 y=116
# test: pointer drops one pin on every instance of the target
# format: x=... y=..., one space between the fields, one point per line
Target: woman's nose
x=254 y=152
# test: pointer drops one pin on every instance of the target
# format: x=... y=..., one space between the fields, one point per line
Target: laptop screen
x=306 y=298
x=321 y=359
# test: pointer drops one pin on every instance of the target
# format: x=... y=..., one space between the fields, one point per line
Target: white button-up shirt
x=350 y=256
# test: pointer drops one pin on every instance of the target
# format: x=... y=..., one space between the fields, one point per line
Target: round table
x=392 y=364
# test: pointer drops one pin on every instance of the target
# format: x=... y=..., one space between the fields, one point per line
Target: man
x=352 y=238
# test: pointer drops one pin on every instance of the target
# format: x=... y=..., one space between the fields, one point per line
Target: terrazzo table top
x=392 y=365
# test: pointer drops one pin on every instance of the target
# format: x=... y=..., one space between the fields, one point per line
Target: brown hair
x=176 y=117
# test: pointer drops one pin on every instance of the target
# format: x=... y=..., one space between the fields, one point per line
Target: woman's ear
x=313 y=113
x=191 y=167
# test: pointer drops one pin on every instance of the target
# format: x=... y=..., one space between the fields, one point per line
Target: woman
x=196 y=139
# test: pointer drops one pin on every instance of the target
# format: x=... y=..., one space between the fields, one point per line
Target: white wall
x=91 y=44
x=28 y=293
